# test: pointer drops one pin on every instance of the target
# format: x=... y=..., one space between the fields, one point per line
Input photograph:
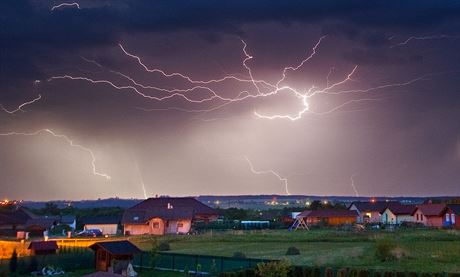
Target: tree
x=13 y=265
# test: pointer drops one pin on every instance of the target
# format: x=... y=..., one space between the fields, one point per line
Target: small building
x=13 y=219
x=451 y=216
x=329 y=217
x=166 y=215
x=69 y=220
x=109 y=225
x=43 y=247
x=430 y=215
x=115 y=256
x=397 y=214
x=36 y=226
x=370 y=211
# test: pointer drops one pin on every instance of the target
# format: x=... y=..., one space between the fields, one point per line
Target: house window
x=180 y=225
x=421 y=217
x=417 y=217
x=156 y=225
x=453 y=218
x=447 y=217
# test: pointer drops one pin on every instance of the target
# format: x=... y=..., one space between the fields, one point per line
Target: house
x=115 y=256
x=109 y=225
x=397 y=214
x=43 y=247
x=166 y=215
x=430 y=215
x=13 y=219
x=329 y=217
x=451 y=216
x=370 y=211
x=69 y=220
x=37 y=225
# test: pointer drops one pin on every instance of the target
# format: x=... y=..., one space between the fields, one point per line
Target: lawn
x=423 y=250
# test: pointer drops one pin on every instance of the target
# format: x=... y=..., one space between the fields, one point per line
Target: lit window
x=448 y=217
x=453 y=218
x=155 y=225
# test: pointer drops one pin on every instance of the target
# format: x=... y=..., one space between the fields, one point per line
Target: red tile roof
x=169 y=208
x=432 y=209
x=377 y=206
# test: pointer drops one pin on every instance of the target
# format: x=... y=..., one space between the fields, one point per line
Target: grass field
x=424 y=250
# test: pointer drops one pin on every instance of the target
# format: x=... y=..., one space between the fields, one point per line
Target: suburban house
x=328 y=217
x=430 y=215
x=451 y=216
x=13 y=219
x=39 y=224
x=370 y=211
x=69 y=220
x=397 y=214
x=109 y=225
x=166 y=215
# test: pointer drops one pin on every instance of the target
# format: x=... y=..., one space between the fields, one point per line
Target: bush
x=33 y=264
x=328 y=272
x=239 y=255
x=291 y=251
x=164 y=246
x=377 y=274
x=413 y=274
x=342 y=272
x=363 y=273
x=389 y=274
x=13 y=265
x=384 y=249
x=273 y=269
x=316 y=272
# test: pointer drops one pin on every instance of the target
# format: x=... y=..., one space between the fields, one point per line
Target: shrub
x=239 y=255
x=316 y=272
x=273 y=269
x=307 y=271
x=13 y=265
x=453 y=274
x=297 y=271
x=291 y=251
x=164 y=246
x=353 y=273
x=33 y=264
x=389 y=274
x=363 y=273
x=384 y=249
x=400 y=274
x=413 y=274
x=342 y=272
x=377 y=274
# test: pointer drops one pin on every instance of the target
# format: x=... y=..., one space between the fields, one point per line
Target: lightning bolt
x=142 y=181
x=433 y=37
x=64 y=5
x=352 y=183
x=68 y=140
x=277 y=175
x=203 y=92
x=19 y=108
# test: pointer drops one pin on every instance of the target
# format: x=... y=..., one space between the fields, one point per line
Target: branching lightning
x=19 y=108
x=433 y=37
x=69 y=141
x=272 y=172
x=203 y=91
x=64 y=5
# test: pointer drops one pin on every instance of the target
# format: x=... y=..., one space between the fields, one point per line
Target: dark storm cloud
x=31 y=34
x=409 y=136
